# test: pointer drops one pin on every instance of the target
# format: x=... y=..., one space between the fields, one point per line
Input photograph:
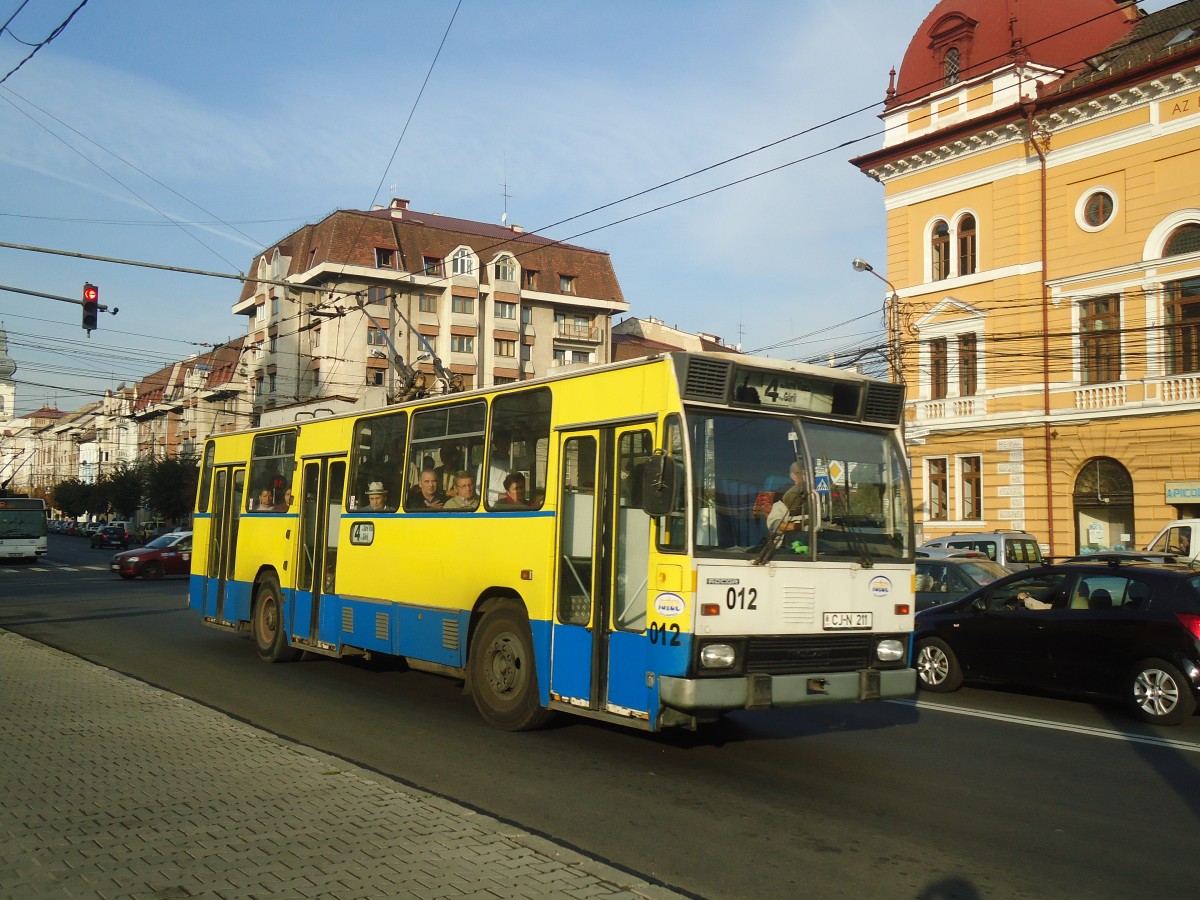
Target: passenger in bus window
x=788 y=510
x=286 y=503
x=424 y=495
x=265 y=503
x=464 y=492
x=376 y=497
x=452 y=461
x=514 y=492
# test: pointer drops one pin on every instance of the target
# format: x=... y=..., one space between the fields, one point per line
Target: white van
x=1181 y=538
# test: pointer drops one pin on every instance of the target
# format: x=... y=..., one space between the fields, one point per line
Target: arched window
x=939 y=246
x=1103 y=501
x=950 y=64
x=1184 y=239
x=966 y=245
x=1181 y=306
x=463 y=264
x=506 y=269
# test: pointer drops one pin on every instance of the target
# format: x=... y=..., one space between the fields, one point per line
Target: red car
x=170 y=554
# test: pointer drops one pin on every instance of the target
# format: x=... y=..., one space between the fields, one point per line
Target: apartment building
x=345 y=311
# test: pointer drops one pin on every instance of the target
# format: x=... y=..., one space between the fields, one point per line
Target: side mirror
x=658 y=485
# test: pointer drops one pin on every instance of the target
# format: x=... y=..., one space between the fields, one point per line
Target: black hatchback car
x=1119 y=628
x=111 y=536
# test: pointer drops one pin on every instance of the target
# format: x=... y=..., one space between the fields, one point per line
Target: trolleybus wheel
x=503 y=677
x=270 y=638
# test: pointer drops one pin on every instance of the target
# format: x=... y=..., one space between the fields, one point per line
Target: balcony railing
x=1109 y=396
x=951 y=408
x=1179 y=388
x=574 y=332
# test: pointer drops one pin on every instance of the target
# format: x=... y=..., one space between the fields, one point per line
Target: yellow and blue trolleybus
x=653 y=542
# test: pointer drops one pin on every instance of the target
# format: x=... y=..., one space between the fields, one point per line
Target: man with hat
x=376 y=497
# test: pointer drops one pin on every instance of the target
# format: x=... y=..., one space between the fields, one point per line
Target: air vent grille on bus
x=381 y=626
x=706 y=379
x=450 y=634
x=885 y=403
x=348 y=619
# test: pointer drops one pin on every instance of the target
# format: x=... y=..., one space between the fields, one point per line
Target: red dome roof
x=1055 y=33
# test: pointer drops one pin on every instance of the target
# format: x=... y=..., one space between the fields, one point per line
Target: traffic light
x=91 y=303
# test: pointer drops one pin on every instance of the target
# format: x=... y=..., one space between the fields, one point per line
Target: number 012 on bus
x=654 y=542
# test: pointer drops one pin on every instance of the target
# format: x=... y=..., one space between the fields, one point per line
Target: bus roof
x=682 y=360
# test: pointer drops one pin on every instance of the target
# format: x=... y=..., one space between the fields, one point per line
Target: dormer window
x=566 y=284
x=463 y=263
x=950 y=67
x=385 y=258
x=506 y=269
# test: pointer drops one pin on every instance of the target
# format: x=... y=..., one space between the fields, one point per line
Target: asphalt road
x=981 y=793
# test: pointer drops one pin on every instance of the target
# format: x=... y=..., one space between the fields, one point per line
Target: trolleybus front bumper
x=760 y=691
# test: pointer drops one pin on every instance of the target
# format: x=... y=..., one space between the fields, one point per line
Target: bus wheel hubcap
x=504 y=666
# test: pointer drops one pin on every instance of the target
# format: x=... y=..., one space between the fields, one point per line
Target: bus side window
x=519 y=443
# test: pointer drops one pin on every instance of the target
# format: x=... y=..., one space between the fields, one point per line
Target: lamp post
x=891 y=313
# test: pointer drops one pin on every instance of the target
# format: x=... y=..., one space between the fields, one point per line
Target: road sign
x=822 y=484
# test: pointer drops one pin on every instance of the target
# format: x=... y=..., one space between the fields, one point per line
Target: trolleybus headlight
x=889 y=650
x=718 y=656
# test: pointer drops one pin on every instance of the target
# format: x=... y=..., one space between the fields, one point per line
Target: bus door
x=229 y=484
x=323 y=484
x=599 y=651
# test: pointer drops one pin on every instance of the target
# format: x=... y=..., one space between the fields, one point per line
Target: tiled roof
x=1173 y=31
x=351 y=237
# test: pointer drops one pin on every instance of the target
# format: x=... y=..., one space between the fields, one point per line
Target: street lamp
x=891 y=315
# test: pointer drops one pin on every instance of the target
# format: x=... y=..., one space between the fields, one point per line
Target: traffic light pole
x=100 y=307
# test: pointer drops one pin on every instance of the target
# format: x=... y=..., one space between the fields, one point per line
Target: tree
x=71 y=496
x=126 y=485
x=171 y=486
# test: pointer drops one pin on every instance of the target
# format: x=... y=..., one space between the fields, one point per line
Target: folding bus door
x=229 y=484
x=323 y=484
x=599 y=645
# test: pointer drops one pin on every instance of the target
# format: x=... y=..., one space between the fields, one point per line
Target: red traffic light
x=91 y=298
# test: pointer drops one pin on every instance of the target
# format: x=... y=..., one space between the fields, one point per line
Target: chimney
x=516 y=229
x=398 y=203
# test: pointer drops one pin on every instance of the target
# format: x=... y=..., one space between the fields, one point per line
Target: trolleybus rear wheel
x=270 y=638
x=503 y=677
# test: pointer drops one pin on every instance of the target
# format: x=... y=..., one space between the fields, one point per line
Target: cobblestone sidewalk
x=112 y=788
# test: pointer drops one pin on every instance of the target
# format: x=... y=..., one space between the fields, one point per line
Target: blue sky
x=194 y=134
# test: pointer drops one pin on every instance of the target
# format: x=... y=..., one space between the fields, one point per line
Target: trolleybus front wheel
x=270 y=637
x=503 y=678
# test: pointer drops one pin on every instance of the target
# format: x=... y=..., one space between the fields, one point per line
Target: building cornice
x=1051 y=113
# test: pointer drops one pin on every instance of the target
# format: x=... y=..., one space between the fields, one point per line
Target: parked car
x=1012 y=549
x=90 y=528
x=110 y=536
x=170 y=554
x=942 y=579
x=1123 y=629
x=942 y=553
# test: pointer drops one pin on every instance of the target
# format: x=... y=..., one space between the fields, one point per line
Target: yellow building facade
x=1041 y=176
